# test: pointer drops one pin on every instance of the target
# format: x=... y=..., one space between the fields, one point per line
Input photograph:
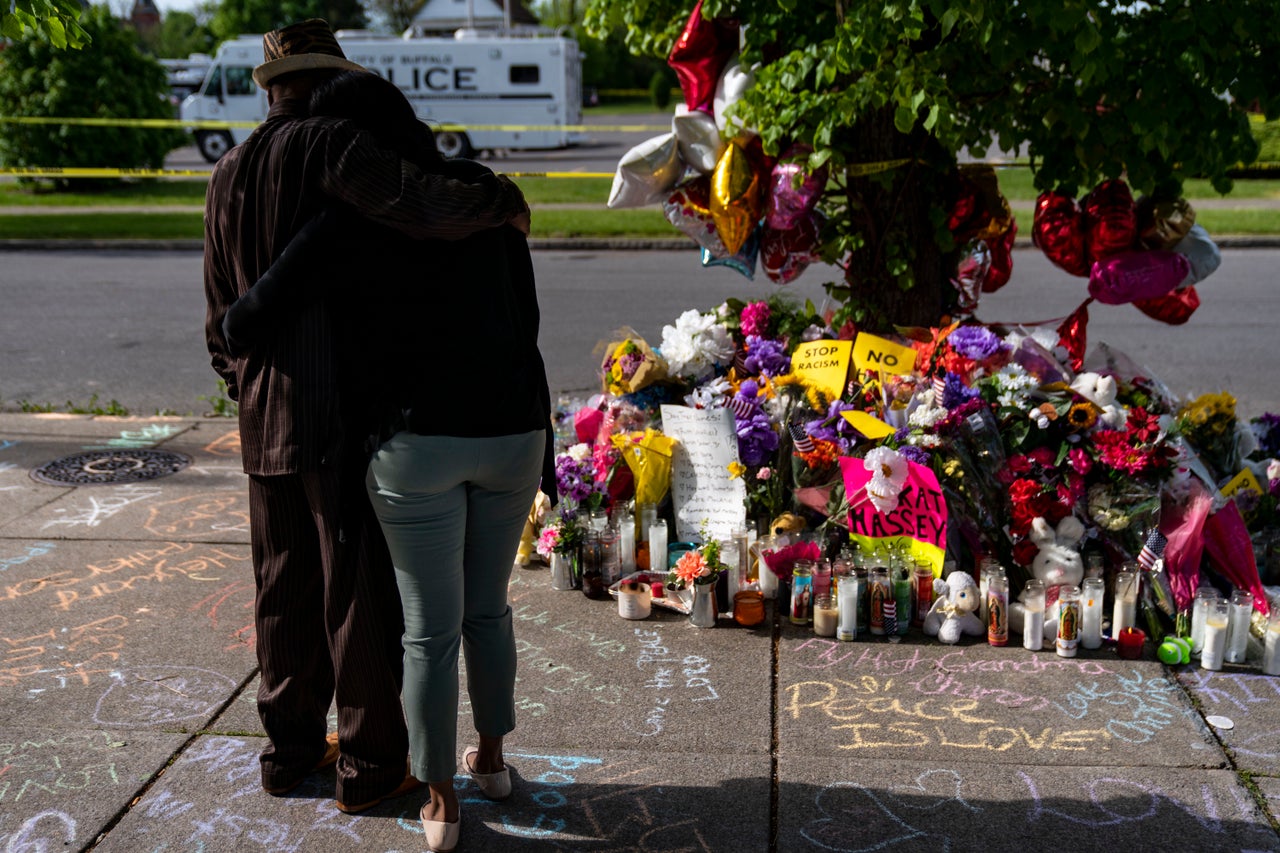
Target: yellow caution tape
x=227 y=125
x=87 y=172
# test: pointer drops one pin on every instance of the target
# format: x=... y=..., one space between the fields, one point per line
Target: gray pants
x=452 y=510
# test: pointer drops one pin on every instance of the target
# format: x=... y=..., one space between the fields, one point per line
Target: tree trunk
x=892 y=206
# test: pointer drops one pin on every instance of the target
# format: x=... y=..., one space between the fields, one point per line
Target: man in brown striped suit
x=327 y=612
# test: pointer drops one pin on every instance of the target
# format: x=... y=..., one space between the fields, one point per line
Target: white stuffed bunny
x=952 y=614
x=1101 y=391
x=1056 y=564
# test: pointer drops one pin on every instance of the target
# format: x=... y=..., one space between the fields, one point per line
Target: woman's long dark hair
x=381 y=108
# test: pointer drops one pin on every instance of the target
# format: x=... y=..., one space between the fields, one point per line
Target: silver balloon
x=698 y=139
x=734 y=80
x=1201 y=252
x=646 y=173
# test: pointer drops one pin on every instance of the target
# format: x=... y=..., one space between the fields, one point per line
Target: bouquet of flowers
x=699 y=566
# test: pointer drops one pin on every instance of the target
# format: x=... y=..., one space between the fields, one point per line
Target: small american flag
x=741 y=407
x=891 y=618
x=803 y=443
x=1153 y=549
x=939 y=388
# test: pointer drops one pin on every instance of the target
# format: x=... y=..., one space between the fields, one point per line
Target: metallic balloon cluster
x=1148 y=253
x=982 y=224
x=711 y=175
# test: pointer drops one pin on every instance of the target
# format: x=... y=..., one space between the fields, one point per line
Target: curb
x=551 y=244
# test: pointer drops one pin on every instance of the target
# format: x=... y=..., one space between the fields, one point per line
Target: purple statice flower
x=757 y=439
x=766 y=356
x=834 y=428
x=755 y=319
x=901 y=434
x=975 y=342
x=955 y=392
x=913 y=453
x=1267 y=429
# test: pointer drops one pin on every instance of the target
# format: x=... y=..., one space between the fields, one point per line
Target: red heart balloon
x=1112 y=218
x=1059 y=232
x=700 y=54
x=1071 y=334
x=1174 y=309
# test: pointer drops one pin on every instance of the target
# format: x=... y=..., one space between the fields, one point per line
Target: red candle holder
x=1129 y=643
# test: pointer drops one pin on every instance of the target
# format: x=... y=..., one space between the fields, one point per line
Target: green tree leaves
x=55 y=19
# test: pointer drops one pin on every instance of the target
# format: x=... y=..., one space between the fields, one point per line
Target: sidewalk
x=127 y=717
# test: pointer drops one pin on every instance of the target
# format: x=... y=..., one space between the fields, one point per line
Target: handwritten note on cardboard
x=701 y=488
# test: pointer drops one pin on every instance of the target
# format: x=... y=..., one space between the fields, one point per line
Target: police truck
x=478 y=90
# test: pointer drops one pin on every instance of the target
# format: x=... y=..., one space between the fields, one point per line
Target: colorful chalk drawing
x=6 y=443
x=227 y=444
x=236 y=597
x=858 y=818
x=146 y=437
x=99 y=509
x=36 y=549
x=48 y=830
x=51 y=657
x=908 y=698
x=1236 y=694
x=56 y=766
x=162 y=695
x=221 y=512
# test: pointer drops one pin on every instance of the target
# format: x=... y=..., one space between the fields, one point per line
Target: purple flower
x=912 y=453
x=835 y=428
x=955 y=392
x=975 y=342
x=766 y=356
x=757 y=439
x=1267 y=429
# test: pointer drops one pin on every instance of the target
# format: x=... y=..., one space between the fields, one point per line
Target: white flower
x=709 y=394
x=925 y=417
x=579 y=452
x=1273 y=470
x=888 y=475
x=695 y=344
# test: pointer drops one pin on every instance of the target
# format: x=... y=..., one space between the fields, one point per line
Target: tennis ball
x=1174 y=650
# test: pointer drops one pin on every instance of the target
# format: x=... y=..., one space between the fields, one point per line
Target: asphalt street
x=128 y=325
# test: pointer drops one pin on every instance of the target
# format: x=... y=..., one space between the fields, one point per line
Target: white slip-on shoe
x=495 y=786
x=442 y=836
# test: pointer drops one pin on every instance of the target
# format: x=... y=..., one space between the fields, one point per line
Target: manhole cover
x=110 y=466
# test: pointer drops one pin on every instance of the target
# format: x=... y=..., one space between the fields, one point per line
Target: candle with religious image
x=997 y=607
x=801 y=592
x=1068 y=621
x=877 y=594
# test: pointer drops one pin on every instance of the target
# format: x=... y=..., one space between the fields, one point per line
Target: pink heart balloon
x=1129 y=276
x=793 y=191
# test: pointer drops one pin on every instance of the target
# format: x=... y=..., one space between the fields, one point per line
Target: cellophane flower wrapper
x=629 y=364
x=648 y=455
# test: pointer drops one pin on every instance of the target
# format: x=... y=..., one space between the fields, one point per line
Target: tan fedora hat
x=304 y=46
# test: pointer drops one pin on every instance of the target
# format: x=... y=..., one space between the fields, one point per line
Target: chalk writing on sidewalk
x=48 y=830
x=98 y=509
x=221 y=512
x=227 y=444
x=136 y=438
x=854 y=817
x=161 y=695
x=665 y=672
x=36 y=549
x=65 y=656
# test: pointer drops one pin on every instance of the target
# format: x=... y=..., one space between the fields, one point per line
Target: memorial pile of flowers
x=999 y=416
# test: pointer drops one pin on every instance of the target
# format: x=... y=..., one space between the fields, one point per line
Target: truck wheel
x=452 y=144
x=213 y=144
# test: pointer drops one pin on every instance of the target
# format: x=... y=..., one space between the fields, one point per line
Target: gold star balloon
x=736 y=195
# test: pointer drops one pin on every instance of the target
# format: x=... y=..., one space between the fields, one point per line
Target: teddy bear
x=529 y=536
x=1101 y=391
x=1056 y=564
x=954 y=609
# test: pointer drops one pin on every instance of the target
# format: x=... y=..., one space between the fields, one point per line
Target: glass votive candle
x=1217 y=617
x=1205 y=595
x=1124 y=612
x=1129 y=643
x=1271 y=646
x=1238 y=630
x=748 y=607
x=1091 y=593
x=1033 y=615
x=801 y=592
x=1068 y=621
x=825 y=616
